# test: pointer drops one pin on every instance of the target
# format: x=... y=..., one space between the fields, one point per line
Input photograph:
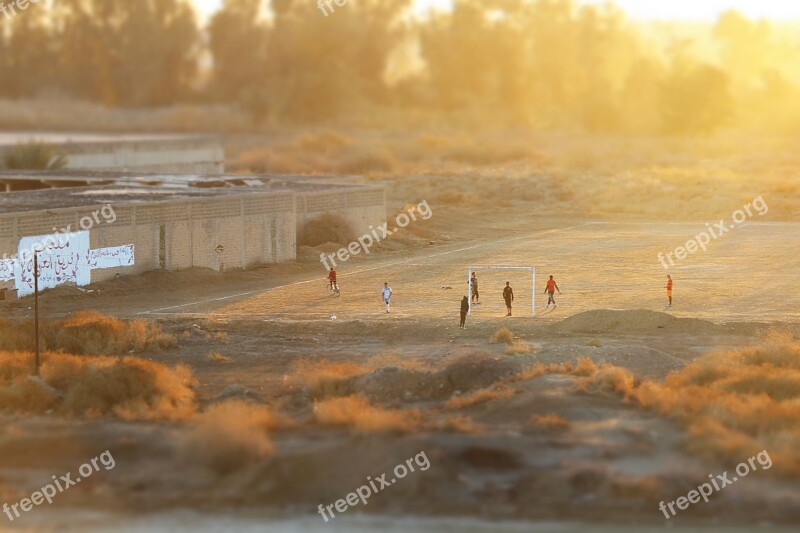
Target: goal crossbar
x=531 y=269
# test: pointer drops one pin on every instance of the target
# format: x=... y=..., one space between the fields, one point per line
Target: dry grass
x=129 y=388
x=735 y=403
x=502 y=335
x=549 y=422
x=217 y=357
x=519 y=346
x=230 y=435
x=323 y=378
x=357 y=413
x=87 y=332
x=457 y=424
x=732 y=404
x=495 y=392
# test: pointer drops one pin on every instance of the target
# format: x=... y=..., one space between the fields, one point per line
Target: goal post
x=530 y=269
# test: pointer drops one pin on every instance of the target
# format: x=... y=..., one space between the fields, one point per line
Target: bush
x=329 y=227
x=86 y=332
x=502 y=335
x=128 y=387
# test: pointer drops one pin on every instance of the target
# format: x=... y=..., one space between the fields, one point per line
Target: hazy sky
x=654 y=9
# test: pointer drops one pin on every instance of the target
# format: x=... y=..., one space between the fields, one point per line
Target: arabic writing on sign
x=61 y=262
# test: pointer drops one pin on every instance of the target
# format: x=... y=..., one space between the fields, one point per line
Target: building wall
x=174 y=156
x=362 y=207
x=254 y=228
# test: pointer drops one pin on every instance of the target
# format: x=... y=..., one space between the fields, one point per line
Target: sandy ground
x=607 y=470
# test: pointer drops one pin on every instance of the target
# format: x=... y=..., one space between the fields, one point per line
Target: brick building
x=130 y=224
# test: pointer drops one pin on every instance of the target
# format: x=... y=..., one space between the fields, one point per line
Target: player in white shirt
x=387 y=294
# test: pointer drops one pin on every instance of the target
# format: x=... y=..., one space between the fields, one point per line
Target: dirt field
x=557 y=426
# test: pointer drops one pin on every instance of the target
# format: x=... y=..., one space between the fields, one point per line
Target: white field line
x=353 y=273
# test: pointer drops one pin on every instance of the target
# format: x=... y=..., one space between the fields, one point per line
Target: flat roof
x=72 y=197
x=78 y=177
x=10 y=138
x=129 y=188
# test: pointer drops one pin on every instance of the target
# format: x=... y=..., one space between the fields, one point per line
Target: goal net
x=493 y=281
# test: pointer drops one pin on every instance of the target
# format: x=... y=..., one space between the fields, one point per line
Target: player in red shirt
x=551 y=288
x=332 y=279
x=669 y=290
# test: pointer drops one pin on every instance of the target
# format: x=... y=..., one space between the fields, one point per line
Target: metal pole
x=469 y=290
x=36 y=310
x=533 y=296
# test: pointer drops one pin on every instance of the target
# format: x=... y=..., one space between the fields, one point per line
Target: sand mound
x=478 y=370
x=467 y=373
x=635 y=321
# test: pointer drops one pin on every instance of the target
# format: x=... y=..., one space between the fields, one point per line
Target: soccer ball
x=333 y=317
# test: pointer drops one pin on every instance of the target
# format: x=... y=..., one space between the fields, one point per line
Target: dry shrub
x=356 y=412
x=551 y=422
x=458 y=198
x=371 y=160
x=329 y=227
x=217 y=357
x=230 y=435
x=16 y=335
x=500 y=392
x=326 y=142
x=502 y=335
x=736 y=403
x=608 y=378
x=128 y=388
x=519 y=346
x=87 y=332
x=28 y=394
x=457 y=424
x=324 y=378
x=433 y=144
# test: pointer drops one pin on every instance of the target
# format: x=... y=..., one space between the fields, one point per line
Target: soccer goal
x=481 y=286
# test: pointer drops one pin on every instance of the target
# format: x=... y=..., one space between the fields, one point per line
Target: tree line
x=541 y=63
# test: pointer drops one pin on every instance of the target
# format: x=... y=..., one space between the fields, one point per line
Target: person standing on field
x=464 y=311
x=508 y=296
x=386 y=293
x=473 y=283
x=551 y=289
x=669 y=289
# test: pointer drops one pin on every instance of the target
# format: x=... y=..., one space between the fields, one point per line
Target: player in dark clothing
x=508 y=296
x=464 y=311
x=473 y=283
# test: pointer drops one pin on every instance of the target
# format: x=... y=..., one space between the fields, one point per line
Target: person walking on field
x=473 y=283
x=508 y=296
x=386 y=293
x=464 y=311
x=669 y=290
x=332 y=279
x=551 y=289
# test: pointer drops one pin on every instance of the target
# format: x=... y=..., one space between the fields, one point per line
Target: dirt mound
x=393 y=384
x=635 y=321
x=478 y=370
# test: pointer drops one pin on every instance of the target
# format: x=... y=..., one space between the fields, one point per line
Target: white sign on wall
x=61 y=260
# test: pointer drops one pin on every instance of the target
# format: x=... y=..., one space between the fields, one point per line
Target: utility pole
x=36 y=309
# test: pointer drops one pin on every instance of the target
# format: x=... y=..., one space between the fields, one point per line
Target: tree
x=696 y=99
x=141 y=53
